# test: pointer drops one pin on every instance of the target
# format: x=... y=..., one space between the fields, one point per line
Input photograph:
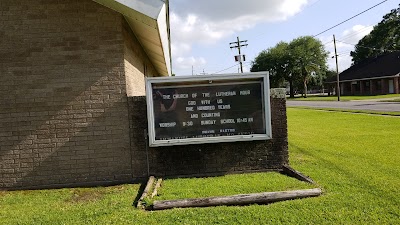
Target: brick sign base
x=210 y=159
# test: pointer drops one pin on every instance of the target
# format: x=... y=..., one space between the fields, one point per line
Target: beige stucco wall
x=137 y=64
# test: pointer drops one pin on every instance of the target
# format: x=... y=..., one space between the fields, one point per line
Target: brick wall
x=66 y=69
x=396 y=84
x=209 y=159
x=63 y=110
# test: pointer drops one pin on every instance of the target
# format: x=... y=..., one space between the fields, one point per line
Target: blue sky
x=202 y=30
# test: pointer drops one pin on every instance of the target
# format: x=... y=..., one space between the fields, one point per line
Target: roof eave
x=362 y=79
x=149 y=21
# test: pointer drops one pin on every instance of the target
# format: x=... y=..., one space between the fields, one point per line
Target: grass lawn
x=392 y=100
x=342 y=98
x=353 y=157
x=228 y=185
x=350 y=110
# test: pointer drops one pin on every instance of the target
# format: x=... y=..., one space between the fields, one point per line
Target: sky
x=201 y=30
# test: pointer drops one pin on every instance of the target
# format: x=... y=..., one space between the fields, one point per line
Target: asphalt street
x=356 y=105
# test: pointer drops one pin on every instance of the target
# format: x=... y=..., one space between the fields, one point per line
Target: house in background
x=68 y=69
x=374 y=76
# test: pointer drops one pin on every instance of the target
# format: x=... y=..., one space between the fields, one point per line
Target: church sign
x=208 y=109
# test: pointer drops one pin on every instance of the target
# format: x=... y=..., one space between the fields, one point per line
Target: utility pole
x=337 y=71
x=239 y=44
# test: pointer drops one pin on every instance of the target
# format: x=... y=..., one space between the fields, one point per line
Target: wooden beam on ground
x=243 y=199
x=147 y=189
x=289 y=171
x=155 y=190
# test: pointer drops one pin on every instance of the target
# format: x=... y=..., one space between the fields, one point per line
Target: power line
x=349 y=35
x=372 y=48
x=327 y=43
x=313 y=3
x=350 y=18
x=344 y=54
x=225 y=69
x=354 y=34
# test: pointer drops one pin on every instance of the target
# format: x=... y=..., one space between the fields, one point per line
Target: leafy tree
x=294 y=62
x=270 y=60
x=330 y=74
x=383 y=38
x=286 y=65
x=280 y=63
x=309 y=58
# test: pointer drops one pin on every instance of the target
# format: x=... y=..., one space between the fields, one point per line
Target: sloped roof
x=149 y=21
x=386 y=65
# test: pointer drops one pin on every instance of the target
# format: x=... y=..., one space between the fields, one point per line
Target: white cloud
x=246 y=69
x=220 y=10
x=356 y=33
x=191 y=29
x=179 y=49
x=185 y=63
x=208 y=21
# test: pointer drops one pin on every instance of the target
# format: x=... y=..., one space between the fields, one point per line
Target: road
x=356 y=105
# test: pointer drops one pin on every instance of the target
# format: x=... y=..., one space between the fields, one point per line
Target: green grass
x=68 y=206
x=228 y=185
x=342 y=98
x=353 y=157
x=392 y=100
x=349 y=110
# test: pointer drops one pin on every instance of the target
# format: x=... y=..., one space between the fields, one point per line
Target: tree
x=385 y=37
x=309 y=58
x=280 y=64
x=285 y=64
x=293 y=62
x=270 y=60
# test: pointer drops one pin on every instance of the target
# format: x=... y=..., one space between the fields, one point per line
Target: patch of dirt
x=82 y=196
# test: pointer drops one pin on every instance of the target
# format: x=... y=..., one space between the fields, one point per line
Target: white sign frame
x=243 y=77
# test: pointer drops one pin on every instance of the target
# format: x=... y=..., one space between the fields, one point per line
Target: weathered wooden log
x=155 y=190
x=146 y=190
x=289 y=171
x=243 y=199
